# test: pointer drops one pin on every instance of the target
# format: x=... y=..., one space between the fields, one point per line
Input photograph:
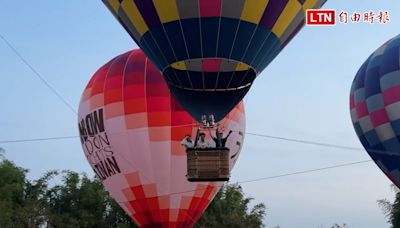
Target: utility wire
x=305 y=171
x=314 y=143
x=245 y=181
x=36 y=73
x=286 y=174
x=305 y=141
x=38 y=139
x=280 y=175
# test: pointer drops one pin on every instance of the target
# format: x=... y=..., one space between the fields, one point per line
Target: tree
x=82 y=202
x=392 y=210
x=22 y=203
x=230 y=208
x=12 y=180
x=77 y=201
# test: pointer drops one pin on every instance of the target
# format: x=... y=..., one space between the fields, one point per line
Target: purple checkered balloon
x=375 y=107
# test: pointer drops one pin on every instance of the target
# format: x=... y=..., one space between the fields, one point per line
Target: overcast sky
x=303 y=94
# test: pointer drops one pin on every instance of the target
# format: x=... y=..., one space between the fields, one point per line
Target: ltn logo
x=320 y=17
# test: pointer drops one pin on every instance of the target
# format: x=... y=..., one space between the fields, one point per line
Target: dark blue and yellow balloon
x=375 y=107
x=210 y=51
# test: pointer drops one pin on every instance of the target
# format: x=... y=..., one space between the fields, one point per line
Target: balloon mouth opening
x=199 y=102
x=210 y=74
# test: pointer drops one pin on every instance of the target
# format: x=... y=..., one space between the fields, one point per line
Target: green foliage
x=392 y=210
x=82 y=202
x=77 y=202
x=22 y=203
x=230 y=208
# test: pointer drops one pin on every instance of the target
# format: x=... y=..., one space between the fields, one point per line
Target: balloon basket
x=211 y=164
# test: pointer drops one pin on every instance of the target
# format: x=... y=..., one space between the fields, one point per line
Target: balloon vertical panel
x=131 y=129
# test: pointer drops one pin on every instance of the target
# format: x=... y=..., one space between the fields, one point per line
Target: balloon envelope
x=210 y=51
x=131 y=129
x=375 y=107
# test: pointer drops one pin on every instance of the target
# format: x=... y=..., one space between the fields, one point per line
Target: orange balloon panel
x=131 y=128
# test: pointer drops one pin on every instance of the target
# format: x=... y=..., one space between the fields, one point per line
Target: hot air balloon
x=375 y=107
x=131 y=130
x=210 y=51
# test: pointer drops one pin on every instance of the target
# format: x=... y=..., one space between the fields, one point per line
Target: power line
x=53 y=90
x=314 y=143
x=305 y=141
x=245 y=181
x=38 y=139
x=281 y=175
x=305 y=171
x=286 y=174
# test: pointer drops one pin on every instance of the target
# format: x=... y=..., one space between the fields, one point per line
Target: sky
x=303 y=94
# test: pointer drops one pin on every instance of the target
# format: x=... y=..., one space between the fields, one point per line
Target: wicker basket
x=211 y=164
